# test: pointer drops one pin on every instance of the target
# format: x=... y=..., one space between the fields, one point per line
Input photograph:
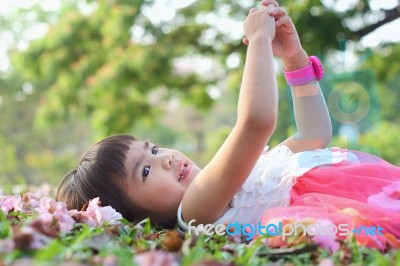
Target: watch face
x=318 y=68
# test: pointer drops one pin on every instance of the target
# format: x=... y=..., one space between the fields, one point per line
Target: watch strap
x=313 y=71
x=300 y=76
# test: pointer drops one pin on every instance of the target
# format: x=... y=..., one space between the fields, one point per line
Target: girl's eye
x=154 y=150
x=145 y=172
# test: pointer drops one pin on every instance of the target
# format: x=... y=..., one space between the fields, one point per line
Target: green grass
x=130 y=244
x=123 y=243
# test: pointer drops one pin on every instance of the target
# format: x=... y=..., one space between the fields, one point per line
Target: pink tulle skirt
x=366 y=193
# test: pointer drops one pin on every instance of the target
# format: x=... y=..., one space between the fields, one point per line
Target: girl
x=297 y=178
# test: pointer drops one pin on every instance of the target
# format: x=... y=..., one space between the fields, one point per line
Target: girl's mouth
x=184 y=170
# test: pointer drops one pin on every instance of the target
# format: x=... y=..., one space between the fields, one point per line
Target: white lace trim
x=264 y=185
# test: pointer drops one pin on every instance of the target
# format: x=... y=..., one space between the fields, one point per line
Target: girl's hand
x=286 y=43
x=259 y=24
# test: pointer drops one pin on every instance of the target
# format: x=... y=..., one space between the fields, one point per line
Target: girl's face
x=158 y=177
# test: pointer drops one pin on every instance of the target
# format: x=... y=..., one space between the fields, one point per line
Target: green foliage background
x=106 y=67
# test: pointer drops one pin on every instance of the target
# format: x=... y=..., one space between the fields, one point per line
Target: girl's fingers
x=277 y=12
x=253 y=10
x=285 y=20
x=245 y=41
x=269 y=2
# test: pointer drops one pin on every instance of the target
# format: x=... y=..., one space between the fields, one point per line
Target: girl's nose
x=167 y=161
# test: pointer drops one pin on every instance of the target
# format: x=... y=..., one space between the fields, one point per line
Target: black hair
x=101 y=173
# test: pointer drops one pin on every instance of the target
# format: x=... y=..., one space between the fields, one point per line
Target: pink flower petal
x=110 y=215
x=93 y=210
x=326 y=241
x=326 y=262
x=10 y=202
x=155 y=258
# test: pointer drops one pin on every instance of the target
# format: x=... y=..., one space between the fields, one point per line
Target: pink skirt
x=360 y=195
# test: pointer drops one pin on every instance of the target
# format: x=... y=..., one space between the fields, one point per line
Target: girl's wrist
x=296 y=62
x=260 y=38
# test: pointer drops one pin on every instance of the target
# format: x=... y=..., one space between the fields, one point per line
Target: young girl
x=244 y=182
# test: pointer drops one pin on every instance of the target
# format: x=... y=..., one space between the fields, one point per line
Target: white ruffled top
x=270 y=183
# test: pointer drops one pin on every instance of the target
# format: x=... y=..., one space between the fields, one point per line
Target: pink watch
x=313 y=71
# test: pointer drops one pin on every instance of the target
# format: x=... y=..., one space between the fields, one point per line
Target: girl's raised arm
x=314 y=129
x=313 y=123
x=209 y=194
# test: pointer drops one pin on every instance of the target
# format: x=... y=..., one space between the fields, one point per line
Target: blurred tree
x=383 y=142
x=34 y=155
x=97 y=66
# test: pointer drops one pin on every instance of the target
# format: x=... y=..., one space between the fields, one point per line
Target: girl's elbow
x=329 y=137
x=271 y=125
x=264 y=124
x=326 y=136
